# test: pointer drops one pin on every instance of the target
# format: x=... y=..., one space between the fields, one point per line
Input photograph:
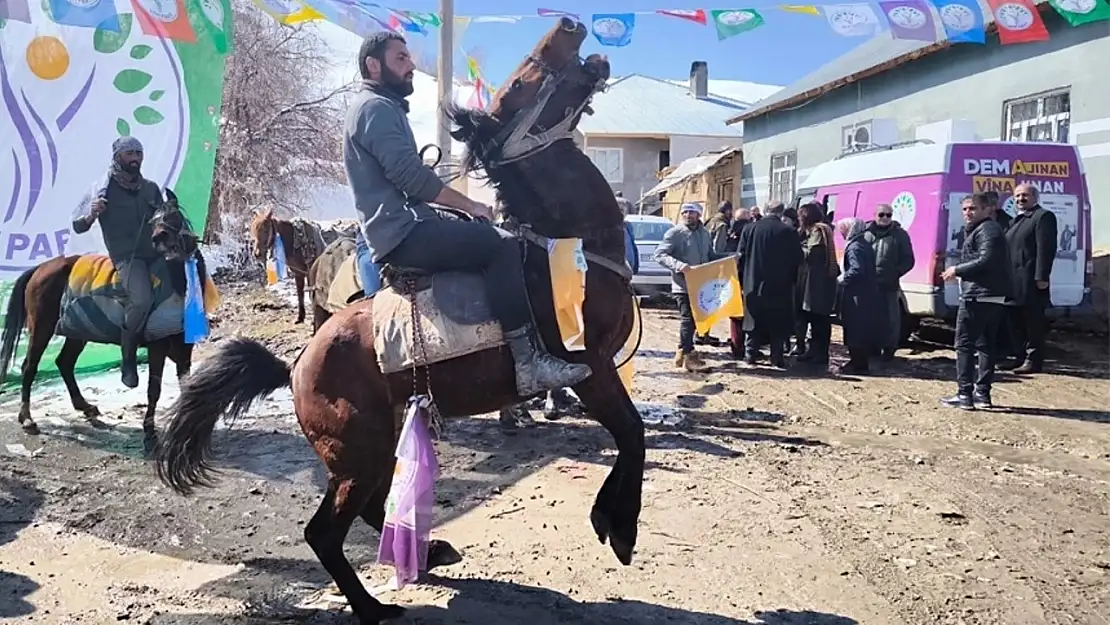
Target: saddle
x=94 y=299
x=452 y=314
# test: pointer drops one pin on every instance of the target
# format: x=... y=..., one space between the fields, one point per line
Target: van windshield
x=649 y=230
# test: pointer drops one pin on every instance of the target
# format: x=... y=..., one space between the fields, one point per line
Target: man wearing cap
x=684 y=246
x=124 y=204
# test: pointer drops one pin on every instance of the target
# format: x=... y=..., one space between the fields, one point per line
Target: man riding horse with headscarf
x=124 y=203
x=393 y=187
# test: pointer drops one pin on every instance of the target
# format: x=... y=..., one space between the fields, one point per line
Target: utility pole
x=445 y=79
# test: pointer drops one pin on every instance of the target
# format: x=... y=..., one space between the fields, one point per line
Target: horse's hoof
x=90 y=411
x=552 y=415
x=441 y=553
x=622 y=548
x=31 y=428
x=507 y=421
x=601 y=524
x=386 y=613
x=524 y=418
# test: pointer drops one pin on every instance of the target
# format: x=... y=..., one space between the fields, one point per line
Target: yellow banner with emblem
x=714 y=290
x=568 y=290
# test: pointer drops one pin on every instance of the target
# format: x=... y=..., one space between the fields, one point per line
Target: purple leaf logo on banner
x=910 y=19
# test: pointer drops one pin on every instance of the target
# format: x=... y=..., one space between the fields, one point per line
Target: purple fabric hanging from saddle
x=409 y=508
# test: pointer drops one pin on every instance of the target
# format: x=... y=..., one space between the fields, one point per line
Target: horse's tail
x=241 y=371
x=14 y=320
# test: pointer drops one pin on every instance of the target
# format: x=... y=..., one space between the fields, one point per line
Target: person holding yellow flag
x=684 y=247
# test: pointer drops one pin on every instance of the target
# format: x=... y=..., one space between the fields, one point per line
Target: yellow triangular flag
x=714 y=290
x=289 y=11
x=805 y=9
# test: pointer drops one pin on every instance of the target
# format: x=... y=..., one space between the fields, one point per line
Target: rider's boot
x=129 y=368
x=538 y=371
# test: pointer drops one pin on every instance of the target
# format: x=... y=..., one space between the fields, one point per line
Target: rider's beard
x=134 y=168
x=397 y=83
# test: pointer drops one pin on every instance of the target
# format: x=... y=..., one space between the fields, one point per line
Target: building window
x=1042 y=117
x=610 y=161
x=784 y=169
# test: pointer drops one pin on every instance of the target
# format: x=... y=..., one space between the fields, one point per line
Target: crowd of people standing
x=793 y=285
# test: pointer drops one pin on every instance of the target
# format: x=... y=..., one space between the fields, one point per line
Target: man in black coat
x=770 y=254
x=984 y=274
x=1031 y=241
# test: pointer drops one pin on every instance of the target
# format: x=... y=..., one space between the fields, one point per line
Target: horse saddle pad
x=453 y=314
x=345 y=287
x=94 y=301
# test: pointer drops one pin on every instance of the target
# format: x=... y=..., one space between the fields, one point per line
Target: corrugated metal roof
x=641 y=105
x=872 y=54
x=689 y=168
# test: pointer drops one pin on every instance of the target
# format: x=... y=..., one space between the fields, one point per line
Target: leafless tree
x=279 y=126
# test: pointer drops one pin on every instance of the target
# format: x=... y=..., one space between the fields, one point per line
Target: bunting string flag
x=1018 y=21
x=957 y=21
x=910 y=19
x=164 y=18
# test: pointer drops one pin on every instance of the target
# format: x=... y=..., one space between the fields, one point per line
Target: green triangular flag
x=732 y=22
x=216 y=23
x=1079 y=12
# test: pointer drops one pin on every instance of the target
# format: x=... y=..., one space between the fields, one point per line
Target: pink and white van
x=925 y=182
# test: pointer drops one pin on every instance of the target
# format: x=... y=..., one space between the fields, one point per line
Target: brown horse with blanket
x=352 y=382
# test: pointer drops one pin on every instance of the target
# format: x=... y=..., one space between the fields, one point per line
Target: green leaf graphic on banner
x=140 y=51
x=108 y=42
x=147 y=116
x=156 y=95
x=123 y=128
x=132 y=80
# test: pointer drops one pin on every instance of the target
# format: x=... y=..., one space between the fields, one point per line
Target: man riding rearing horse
x=392 y=189
x=124 y=204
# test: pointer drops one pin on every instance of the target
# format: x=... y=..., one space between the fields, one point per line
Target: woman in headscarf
x=860 y=299
x=816 y=284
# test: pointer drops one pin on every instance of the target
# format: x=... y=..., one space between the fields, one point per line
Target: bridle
x=517 y=140
x=179 y=232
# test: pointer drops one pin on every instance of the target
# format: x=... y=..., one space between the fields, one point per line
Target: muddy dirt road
x=779 y=499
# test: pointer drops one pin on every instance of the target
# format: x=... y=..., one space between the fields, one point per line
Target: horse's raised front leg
x=298 y=280
x=67 y=362
x=156 y=353
x=616 y=510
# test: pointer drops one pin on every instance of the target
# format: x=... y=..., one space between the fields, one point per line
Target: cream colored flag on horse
x=714 y=290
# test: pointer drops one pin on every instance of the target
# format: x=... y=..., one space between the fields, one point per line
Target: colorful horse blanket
x=93 y=303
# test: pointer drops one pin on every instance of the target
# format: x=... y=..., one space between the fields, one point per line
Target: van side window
x=830 y=207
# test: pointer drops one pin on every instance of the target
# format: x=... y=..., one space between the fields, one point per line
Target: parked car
x=648 y=231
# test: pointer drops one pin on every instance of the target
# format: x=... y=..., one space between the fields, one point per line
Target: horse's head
x=263 y=233
x=173 y=236
x=540 y=103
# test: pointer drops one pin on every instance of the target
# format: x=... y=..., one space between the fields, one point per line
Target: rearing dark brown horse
x=350 y=411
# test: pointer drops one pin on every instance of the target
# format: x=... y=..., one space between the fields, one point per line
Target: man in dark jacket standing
x=392 y=189
x=893 y=259
x=719 y=227
x=1002 y=217
x=124 y=207
x=1032 y=240
x=984 y=275
x=770 y=255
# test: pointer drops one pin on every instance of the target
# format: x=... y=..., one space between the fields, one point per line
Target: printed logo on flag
x=847 y=19
x=714 y=294
x=904 y=207
x=214 y=11
x=907 y=17
x=83 y=4
x=610 y=27
x=161 y=10
x=957 y=18
x=734 y=18
x=1077 y=6
x=1014 y=16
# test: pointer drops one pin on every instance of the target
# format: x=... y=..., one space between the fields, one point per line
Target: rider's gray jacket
x=390 y=182
x=125 y=222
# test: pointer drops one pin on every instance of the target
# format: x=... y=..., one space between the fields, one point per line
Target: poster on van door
x=1054 y=171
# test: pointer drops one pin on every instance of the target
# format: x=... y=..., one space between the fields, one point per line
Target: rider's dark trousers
x=134 y=276
x=452 y=245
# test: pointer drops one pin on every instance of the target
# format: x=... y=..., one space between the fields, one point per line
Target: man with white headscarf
x=124 y=203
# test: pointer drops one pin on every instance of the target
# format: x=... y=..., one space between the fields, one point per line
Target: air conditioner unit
x=856 y=138
x=869 y=134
